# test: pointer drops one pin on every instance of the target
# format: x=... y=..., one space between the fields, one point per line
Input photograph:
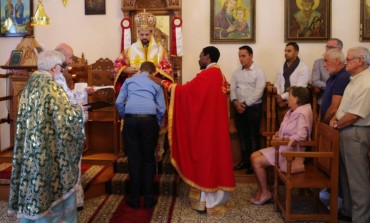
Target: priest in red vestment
x=199 y=135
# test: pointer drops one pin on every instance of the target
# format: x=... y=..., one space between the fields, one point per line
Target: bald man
x=62 y=78
x=67 y=51
x=76 y=98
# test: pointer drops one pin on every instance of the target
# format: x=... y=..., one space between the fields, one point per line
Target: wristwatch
x=335 y=125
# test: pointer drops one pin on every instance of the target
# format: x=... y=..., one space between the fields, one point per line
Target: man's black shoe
x=250 y=170
x=240 y=166
x=343 y=217
x=202 y=212
x=80 y=208
x=133 y=204
x=150 y=203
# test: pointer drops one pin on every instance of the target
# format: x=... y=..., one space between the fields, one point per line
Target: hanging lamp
x=40 y=18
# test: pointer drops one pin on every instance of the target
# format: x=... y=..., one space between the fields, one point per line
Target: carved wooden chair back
x=101 y=73
x=78 y=69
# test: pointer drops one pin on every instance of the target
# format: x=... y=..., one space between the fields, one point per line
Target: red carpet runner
x=114 y=208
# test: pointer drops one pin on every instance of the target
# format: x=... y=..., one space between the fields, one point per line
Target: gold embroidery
x=224 y=82
x=155 y=60
x=218 y=210
x=137 y=61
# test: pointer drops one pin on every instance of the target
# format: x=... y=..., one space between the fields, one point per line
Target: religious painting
x=94 y=7
x=15 y=58
x=365 y=21
x=15 y=17
x=233 y=21
x=307 y=20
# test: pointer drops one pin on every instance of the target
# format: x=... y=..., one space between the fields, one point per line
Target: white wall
x=99 y=36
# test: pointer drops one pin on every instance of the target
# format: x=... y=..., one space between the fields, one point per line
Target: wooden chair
x=321 y=172
x=266 y=120
x=272 y=113
x=315 y=92
x=368 y=155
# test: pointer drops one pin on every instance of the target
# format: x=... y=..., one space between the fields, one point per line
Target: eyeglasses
x=63 y=65
x=331 y=47
x=349 y=59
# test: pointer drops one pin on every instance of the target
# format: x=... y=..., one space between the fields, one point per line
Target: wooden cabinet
x=103 y=124
x=18 y=76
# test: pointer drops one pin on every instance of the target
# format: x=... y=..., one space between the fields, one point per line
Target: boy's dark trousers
x=140 y=140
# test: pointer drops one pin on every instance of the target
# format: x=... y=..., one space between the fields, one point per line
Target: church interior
x=98 y=39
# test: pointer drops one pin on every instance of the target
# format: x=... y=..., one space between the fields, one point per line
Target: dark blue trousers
x=140 y=140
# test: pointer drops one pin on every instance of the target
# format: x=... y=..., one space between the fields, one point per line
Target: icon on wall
x=365 y=21
x=233 y=21
x=94 y=7
x=15 y=17
x=307 y=20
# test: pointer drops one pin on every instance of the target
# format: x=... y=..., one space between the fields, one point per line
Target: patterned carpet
x=112 y=209
x=104 y=209
x=240 y=208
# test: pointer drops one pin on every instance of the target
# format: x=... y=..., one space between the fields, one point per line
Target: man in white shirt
x=246 y=90
x=353 y=121
x=293 y=73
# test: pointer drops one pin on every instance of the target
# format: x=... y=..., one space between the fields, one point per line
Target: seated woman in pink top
x=297 y=126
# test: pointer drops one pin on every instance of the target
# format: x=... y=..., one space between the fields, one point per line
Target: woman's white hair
x=48 y=59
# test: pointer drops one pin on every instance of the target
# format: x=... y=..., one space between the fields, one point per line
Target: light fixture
x=40 y=18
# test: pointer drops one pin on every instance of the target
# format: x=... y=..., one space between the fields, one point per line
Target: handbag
x=297 y=163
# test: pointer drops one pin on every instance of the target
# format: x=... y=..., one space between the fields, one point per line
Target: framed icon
x=16 y=58
x=365 y=21
x=15 y=18
x=94 y=7
x=233 y=21
x=307 y=20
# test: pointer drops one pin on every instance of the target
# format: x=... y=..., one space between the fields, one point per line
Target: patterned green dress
x=48 y=144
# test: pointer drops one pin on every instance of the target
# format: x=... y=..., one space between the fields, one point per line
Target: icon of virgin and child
x=231 y=21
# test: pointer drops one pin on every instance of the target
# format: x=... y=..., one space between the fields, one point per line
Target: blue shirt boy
x=140 y=95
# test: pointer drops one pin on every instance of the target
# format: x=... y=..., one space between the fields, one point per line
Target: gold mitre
x=145 y=20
